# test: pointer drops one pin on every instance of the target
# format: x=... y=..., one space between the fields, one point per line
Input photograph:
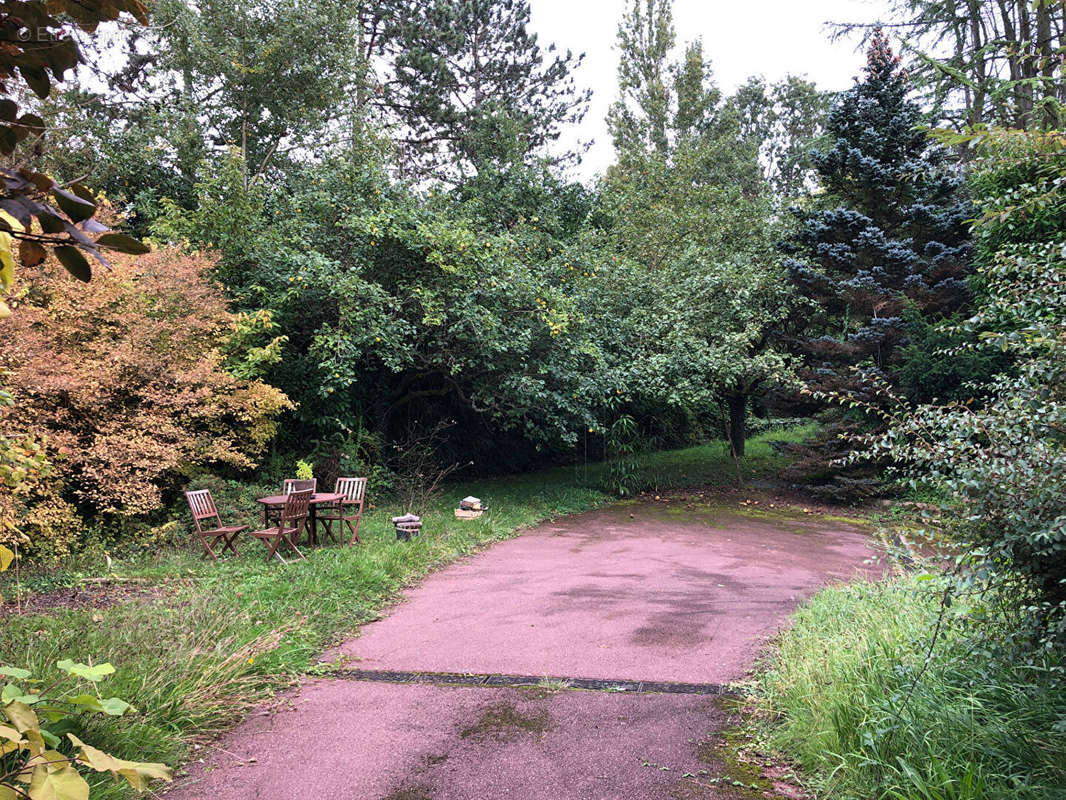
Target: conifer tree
x=886 y=240
x=470 y=79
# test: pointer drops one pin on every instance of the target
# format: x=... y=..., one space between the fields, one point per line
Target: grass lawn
x=217 y=638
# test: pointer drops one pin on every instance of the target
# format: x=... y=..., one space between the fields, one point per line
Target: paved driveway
x=639 y=593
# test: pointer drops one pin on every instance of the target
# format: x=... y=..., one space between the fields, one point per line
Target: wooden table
x=278 y=500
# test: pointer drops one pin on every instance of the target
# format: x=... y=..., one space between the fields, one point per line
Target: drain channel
x=527 y=681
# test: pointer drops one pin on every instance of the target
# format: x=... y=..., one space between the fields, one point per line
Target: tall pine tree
x=885 y=241
x=472 y=86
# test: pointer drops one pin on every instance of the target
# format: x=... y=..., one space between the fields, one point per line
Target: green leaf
x=62 y=784
x=123 y=244
x=14 y=672
x=114 y=706
x=74 y=261
x=13 y=694
x=87 y=701
x=90 y=673
x=77 y=208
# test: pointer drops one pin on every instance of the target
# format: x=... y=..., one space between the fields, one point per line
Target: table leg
x=312 y=519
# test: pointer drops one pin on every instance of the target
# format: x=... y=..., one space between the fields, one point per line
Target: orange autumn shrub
x=123 y=382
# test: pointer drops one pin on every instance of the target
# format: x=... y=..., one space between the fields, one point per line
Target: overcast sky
x=771 y=38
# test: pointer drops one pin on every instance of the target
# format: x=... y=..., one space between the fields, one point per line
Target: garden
x=258 y=250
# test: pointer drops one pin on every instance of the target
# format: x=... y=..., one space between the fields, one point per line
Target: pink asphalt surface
x=686 y=596
x=668 y=596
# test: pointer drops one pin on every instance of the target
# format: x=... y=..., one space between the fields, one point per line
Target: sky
x=770 y=38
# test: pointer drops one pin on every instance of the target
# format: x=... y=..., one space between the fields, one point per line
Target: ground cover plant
x=216 y=638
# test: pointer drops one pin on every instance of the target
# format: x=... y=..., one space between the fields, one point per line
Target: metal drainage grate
x=528 y=681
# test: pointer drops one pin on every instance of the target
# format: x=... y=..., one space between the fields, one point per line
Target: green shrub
x=1003 y=457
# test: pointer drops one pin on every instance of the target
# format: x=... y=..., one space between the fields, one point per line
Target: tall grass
x=848 y=694
x=223 y=636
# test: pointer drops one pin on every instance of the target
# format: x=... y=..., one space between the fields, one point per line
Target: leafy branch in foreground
x=37 y=40
x=39 y=759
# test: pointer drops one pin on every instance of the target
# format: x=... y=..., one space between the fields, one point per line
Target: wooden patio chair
x=289 y=528
x=347 y=511
x=202 y=506
x=288 y=486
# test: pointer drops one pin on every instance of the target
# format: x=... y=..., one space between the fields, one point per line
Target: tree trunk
x=1046 y=62
x=738 y=406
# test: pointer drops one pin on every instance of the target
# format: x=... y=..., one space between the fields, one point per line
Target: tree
x=687 y=200
x=401 y=310
x=992 y=62
x=639 y=118
x=460 y=69
x=787 y=120
x=889 y=234
x=1003 y=458
x=134 y=153
x=275 y=80
x=269 y=78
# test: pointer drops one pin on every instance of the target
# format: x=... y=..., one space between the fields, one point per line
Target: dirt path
x=635 y=593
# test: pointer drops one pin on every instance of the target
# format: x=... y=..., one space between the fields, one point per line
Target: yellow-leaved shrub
x=120 y=385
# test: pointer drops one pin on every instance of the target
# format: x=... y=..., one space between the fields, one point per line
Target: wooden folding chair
x=347 y=511
x=289 y=528
x=271 y=514
x=203 y=507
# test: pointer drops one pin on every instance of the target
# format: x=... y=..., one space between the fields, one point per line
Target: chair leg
x=228 y=542
x=327 y=529
x=272 y=545
x=292 y=544
x=207 y=547
x=355 y=531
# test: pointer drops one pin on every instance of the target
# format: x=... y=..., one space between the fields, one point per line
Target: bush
x=1003 y=458
x=121 y=383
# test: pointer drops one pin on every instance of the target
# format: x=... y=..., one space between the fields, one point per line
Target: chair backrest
x=295 y=511
x=290 y=485
x=202 y=506
x=352 y=488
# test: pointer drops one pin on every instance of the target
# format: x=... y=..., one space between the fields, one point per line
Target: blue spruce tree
x=883 y=248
